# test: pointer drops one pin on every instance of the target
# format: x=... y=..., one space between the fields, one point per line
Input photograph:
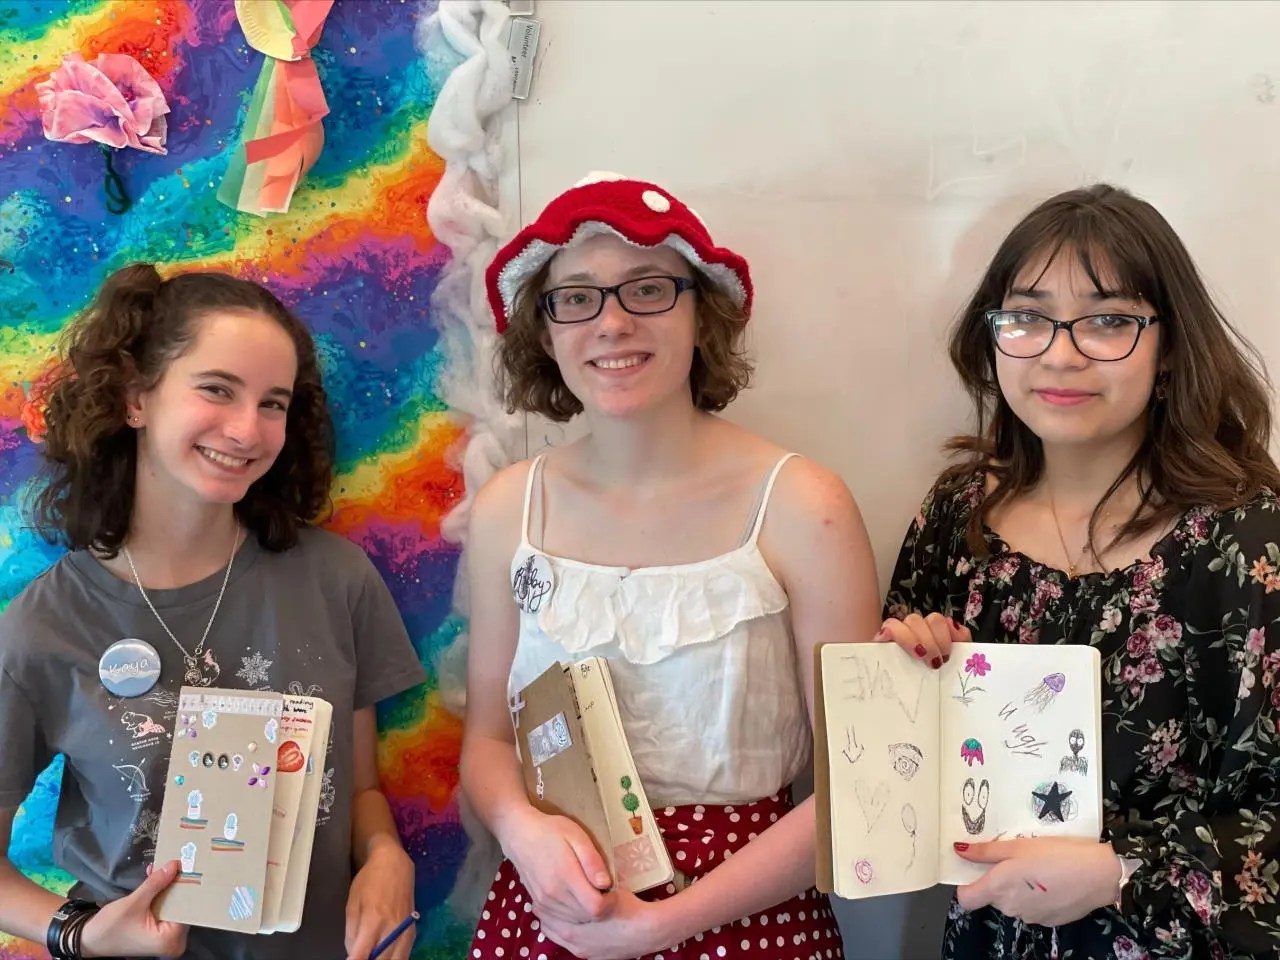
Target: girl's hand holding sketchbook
x=1002 y=743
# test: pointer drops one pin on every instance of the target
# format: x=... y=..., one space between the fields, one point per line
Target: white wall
x=868 y=157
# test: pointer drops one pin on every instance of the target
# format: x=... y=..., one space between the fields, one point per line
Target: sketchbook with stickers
x=577 y=764
x=239 y=811
x=1000 y=743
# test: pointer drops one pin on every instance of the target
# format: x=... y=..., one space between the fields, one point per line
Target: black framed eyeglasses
x=641 y=296
x=1023 y=335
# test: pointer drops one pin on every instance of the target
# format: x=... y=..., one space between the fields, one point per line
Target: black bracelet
x=62 y=939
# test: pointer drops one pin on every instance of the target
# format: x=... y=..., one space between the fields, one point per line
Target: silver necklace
x=194 y=676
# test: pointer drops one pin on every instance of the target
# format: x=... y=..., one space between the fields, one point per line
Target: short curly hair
x=136 y=326
x=529 y=378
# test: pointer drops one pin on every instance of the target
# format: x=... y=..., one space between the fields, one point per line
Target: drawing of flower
x=976 y=666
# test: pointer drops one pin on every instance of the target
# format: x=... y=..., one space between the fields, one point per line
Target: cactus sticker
x=631 y=803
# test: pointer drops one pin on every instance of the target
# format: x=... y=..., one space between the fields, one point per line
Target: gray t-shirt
x=316 y=620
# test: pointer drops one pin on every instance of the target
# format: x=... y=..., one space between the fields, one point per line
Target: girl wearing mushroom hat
x=702 y=561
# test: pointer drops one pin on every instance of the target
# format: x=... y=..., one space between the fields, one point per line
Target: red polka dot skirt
x=698 y=838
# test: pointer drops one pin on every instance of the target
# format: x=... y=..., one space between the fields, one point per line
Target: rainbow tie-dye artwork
x=353 y=255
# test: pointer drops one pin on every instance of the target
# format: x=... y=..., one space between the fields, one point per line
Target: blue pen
x=395 y=935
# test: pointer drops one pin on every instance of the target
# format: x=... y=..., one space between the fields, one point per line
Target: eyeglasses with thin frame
x=641 y=297
x=1105 y=337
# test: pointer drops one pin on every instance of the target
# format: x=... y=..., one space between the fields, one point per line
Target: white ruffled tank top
x=701 y=654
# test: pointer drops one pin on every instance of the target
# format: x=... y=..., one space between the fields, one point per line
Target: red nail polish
x=882 y=636
x=946 y=658
x=960 y=847
x=954 y=626
x=936 y=662
x=1042 y=887
x=920 y=651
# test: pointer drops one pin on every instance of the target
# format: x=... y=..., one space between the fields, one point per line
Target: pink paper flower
x=112 y=101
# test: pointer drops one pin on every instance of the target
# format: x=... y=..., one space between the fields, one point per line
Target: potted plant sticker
x=631 y=803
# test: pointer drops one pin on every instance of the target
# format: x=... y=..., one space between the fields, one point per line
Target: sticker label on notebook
x=549 y=738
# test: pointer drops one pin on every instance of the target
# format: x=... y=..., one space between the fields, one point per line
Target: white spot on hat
x=600 y=176
x=655 y=201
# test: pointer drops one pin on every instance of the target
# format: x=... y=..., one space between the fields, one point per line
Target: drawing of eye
x=906 y=759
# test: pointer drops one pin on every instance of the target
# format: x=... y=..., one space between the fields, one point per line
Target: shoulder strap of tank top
x=534 y=469
x=765 y=495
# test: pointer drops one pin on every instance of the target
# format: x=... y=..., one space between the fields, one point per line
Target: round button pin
x=129 y=668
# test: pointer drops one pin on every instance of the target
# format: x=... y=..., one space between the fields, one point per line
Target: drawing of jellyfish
x=909 y=824
x=1043 y=693
x=970 y=751
x=1075 y=763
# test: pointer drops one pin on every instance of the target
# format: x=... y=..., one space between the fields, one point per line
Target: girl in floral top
x=1117 y=492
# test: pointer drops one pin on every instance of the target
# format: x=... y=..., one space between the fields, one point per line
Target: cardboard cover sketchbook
x=577 y=764
x=239 y=808
x=1002 y=742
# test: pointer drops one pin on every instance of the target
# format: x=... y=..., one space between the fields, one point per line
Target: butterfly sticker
x=188 y=728
x=259 y=778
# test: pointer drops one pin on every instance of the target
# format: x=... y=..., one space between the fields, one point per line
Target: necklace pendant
x=201 y=671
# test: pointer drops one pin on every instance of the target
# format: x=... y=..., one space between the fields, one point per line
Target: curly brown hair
x=1208 y=427
x=529 y=378
x=136 y=326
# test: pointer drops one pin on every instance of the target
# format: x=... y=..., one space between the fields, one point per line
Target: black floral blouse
x=1190 y=645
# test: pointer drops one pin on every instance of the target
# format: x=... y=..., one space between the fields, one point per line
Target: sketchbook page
x=637 y=851
x=297 y=726
x=294 y=896
x=881 y=716
x=1020 y=739
x=216 y=816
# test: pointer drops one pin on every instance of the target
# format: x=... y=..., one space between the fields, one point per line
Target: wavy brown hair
x=136 y=326
x=1208 y=424
x=529 y=377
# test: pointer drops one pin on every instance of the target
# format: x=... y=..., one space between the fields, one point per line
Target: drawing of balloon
x=970 y=751
x=188 y=857
x=241 y=903
x=1042 y=694
x=289 y=758
x=863 y=870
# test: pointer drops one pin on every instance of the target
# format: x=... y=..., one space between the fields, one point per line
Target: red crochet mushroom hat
x=639 y=212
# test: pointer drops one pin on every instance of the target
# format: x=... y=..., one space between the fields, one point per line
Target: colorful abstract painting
x=353 y=256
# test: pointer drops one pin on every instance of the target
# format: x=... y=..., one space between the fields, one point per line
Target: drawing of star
x=254 y=670
x=1052 y=801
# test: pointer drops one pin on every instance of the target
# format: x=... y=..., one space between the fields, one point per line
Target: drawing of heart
x=289 y=758
x=871 y=803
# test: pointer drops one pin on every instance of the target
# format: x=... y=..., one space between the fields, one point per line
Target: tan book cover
x=577 y=764
x=216 y=816
x=239 y=808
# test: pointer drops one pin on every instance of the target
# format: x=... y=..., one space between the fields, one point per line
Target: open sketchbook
x=1000 y=743
x=577 y=764
x=239 y=808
